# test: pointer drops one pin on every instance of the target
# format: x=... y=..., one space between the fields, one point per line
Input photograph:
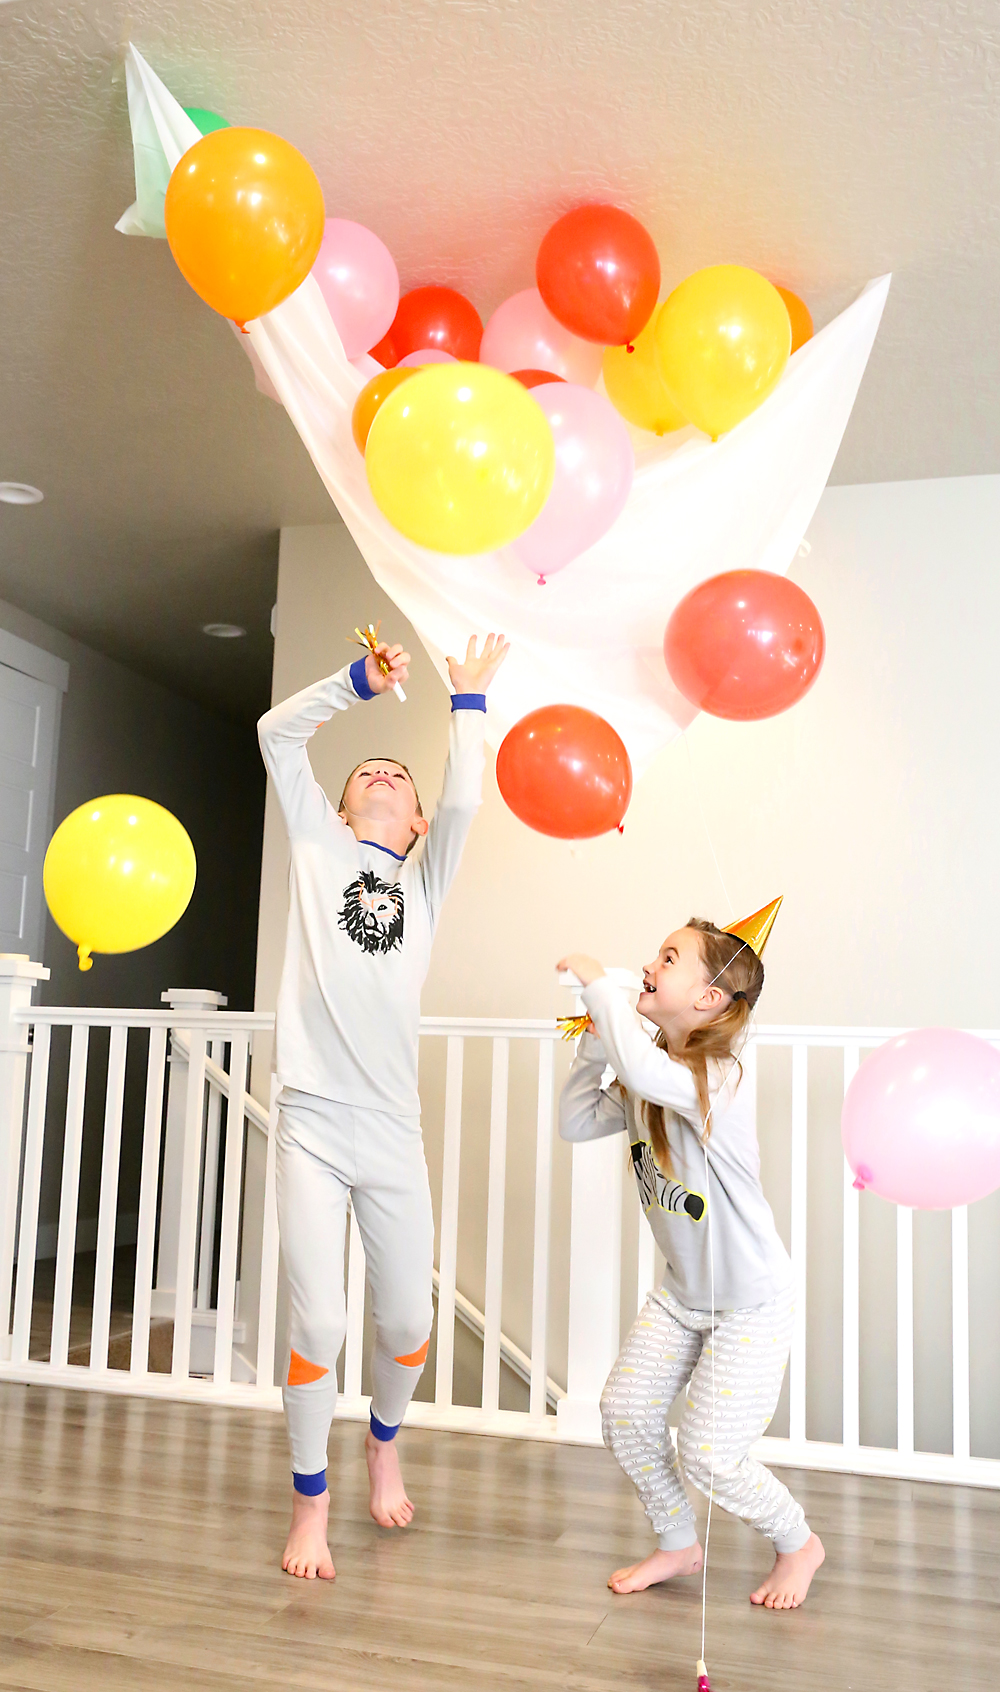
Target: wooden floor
x=139 y=1547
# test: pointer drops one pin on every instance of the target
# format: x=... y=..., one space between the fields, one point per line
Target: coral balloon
x=722 y=341
x=431 y=317
x=635 y=386
x=594 y=469
x=534 y=378
x=522 y=334
x=244 y=215
x=119 y=872
x=359 y=282
x=426 y=355
x=799 y=316
x=921 y=1120
x=460 y=458
x=599 y=273
x=369 y=400
x=744 y=645
x=565 y=772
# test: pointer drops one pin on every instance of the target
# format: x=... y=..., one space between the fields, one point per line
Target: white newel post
x=595 y=1266
x=178 y=999
x=17 y=979
x=595 y=1249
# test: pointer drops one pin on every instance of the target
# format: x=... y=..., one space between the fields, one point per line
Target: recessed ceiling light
x=20 y=493
x=223 y=631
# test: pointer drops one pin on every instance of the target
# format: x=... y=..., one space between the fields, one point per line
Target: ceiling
x=823 y=145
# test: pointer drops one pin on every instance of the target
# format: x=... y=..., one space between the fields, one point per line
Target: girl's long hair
x=736 y=968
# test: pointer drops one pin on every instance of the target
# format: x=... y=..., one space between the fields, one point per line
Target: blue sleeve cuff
x=468 y=702
x=359 y=680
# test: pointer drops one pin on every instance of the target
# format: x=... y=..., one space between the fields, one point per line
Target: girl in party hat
x=721 y=1323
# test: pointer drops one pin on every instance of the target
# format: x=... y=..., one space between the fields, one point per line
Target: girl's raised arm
x=586 y=1112
x=640 y=1066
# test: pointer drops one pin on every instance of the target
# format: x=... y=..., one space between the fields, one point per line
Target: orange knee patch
x=301 y=1372
x=416 y=1358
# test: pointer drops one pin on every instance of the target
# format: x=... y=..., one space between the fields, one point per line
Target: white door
x=29 y=717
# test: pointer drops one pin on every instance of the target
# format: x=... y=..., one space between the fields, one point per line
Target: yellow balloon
x=635 y=386
x=119 y=872
x=722 y=341
x=460 y=458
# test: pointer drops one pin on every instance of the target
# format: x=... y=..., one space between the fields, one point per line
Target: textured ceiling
x=822 y=144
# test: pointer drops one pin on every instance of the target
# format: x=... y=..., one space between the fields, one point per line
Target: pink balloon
x=359 y=282
x=522 y=334
x=594 y=470
x=921 y=1121
x=428 y=355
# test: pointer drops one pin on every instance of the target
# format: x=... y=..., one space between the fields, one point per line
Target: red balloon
x=599 y=274
x=535 y=378
x=431 y=317
x=744 y=645
x=565 y=772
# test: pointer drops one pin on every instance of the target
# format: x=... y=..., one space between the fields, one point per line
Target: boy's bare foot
x=662 y=1565
x=786 y=1586
x=389 y=1504
x=307 y=1553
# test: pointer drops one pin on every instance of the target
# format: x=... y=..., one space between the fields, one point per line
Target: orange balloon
x=801 y=317
x=371 y=397
x=245 y=217
x=565 y=772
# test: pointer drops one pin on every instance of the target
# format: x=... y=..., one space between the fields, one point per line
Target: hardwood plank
x=139 y=1546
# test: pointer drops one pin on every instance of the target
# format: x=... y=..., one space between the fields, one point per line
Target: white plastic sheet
x=593 y=634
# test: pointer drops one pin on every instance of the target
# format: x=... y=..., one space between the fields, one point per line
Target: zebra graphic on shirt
x=654 y=1188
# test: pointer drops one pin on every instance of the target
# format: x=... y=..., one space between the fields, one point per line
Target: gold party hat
x=755 y=930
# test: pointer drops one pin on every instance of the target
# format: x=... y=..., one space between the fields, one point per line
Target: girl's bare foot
x=388 y=1504
x=786 y=1586
x=662 y=1565
x=307 y=1553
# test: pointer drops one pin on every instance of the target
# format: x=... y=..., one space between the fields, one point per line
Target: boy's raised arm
x=462 y=793
x=285 y=731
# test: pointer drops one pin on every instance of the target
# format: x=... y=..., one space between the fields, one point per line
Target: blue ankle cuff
x=380 y=1430
x=310 y=1485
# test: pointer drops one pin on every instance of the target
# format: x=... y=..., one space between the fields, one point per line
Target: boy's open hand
x=474 y=674
x=398 y=662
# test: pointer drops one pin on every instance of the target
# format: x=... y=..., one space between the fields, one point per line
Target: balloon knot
x=629 y=347
x=541 y=581
x=621 y=828
x=241 y=324
x=86 y=961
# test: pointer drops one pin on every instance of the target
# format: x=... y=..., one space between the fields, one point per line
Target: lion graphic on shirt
x=373 y=913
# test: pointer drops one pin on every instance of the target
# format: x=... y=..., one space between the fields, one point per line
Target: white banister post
x=178 y=999
x=17 y=979
x=595 y=1265
x=594 y=1285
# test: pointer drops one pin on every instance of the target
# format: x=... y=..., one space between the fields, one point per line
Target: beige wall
x=871 y=807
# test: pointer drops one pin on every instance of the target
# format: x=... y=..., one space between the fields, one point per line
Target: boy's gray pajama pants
x=326 y=1153
x=670 y=1347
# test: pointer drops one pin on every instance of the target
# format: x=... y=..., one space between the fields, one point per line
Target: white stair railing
x=168 y=1090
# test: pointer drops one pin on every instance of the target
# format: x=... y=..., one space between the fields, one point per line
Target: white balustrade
x=178 y=1077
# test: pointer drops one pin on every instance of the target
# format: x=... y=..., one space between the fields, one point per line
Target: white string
x=711 y=1278
x=745 y=946
x=704 y=823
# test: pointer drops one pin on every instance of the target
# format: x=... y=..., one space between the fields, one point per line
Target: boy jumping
x=362 y=914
